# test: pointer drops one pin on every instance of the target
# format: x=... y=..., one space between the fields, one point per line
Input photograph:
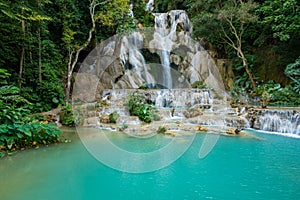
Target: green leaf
x=3 y=128
x=55 y=100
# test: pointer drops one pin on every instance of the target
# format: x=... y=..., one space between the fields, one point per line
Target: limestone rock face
x=84 y=81
x=162 y=57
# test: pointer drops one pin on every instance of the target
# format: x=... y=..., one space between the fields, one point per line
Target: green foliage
x=241 y=78
x=285 y=96
x=161 y=129
x=273 y=93
x=144 y=86
x=282 y=15
x=17 y=130
x=115 y=17
x=141 y=15
x=20 y=135
x=9 y=95
x=166 y=5
x=243 y=81
x=66 y=116
x=293 y=72
x=138 y=106
x=199 y=85
x=238 y=94
x=114 y=116
x=3 y=76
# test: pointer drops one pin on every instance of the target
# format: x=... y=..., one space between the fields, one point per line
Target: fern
x=293 y=72
x=10 y=94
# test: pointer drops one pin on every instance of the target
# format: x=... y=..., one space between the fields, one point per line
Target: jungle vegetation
x=42 y=42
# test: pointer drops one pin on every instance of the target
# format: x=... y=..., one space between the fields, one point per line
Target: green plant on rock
x=114 y=116
x=199 y=85
x=138 y=106
x=123 y=126
x=144 y=86
x=161 y=129
x=66 y=116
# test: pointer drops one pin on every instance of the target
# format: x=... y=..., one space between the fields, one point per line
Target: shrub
x=17 y=130
x=293 y=72
x=138 y=106
x=199 y=85
x=161 y=129
x=272 y=92
x=66 y=116
x=114 y=116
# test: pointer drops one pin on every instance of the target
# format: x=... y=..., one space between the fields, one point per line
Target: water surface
x=237 y=168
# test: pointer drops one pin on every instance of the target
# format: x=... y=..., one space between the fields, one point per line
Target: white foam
x=278 y=133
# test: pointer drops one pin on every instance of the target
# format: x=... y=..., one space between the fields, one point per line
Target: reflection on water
x=237 y=168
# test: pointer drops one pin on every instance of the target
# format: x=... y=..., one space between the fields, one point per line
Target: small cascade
x=150 y=5
x=282 y=121
x=167 y=98
x=183 y=98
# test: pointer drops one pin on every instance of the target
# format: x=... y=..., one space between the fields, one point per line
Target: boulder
x=92 y=121
x=193 y=112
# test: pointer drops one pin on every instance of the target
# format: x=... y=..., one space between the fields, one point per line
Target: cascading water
x=167 y=81
x=161 y=56
x=165 y=48
x=150 y=5
x=183 y=98
x=165 y=38
x=131 y=55
x=282 y=121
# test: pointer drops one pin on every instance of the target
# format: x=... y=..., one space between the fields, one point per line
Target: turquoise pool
x=236 y=168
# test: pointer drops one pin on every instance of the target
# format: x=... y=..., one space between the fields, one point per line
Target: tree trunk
x=22 y=56
x=248 y=71
x=69 y=76
x=40 y=57
x=74 y=58
x=40 y=47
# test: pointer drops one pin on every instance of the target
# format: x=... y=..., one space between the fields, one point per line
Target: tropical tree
x=74 y=48
x=282 y=15
x=224 y=22
x=293 y=72
x=237 y=15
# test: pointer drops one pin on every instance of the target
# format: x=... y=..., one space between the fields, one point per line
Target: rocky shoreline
x=195 y=113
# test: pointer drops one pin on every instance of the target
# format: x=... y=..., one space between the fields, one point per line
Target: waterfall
x=163 y=57
x=164 y=48
x=150 y=5
x=165 y=38
x=165 y=61
x=131 y=56
x=282 y=121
